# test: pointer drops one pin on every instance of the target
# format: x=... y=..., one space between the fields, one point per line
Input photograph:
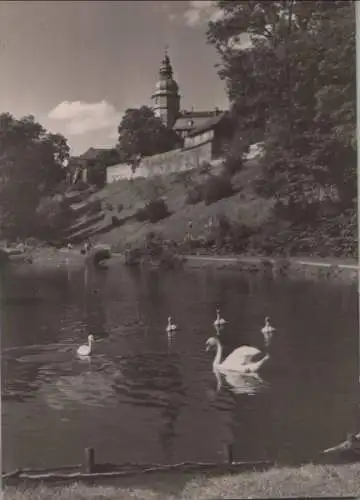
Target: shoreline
x=332 y=269
x=306 y=481
x=335 y=269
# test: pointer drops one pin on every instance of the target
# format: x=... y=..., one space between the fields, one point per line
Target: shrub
x=216 y=188
x=141 y=215
x=80 y=185
x=157 y=210
x=100 y=254
x=154 y=244
x=53 y=215
x=204 y=167
x=108 y=206
x=120 y=207
x=233 y=163
x=133 y=256
x=95 y=207
x=153 y=211
x=194 y=195
x=239 y=236
x=62 y=187
x=115 y=221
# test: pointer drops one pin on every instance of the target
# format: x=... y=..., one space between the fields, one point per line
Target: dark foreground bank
x=309 y=480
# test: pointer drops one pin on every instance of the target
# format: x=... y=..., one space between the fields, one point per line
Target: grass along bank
x=307 y=480
x=334 y=269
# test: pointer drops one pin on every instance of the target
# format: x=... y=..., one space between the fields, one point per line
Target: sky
x=78 y=65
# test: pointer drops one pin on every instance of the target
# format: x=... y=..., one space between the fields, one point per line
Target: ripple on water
x=161 y=391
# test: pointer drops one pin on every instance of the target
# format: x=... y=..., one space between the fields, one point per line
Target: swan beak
x=207 y=347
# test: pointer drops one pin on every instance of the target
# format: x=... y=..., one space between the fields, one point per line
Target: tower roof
x=166 y=83
x=166 y=68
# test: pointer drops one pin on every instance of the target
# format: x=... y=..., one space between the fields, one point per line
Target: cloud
x=167 y=8
x=172 y=17
x=200 y=12
x=79 y=117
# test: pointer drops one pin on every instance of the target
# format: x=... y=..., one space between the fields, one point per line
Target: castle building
x=203 y=136
x=166 y=98
x=166 y=104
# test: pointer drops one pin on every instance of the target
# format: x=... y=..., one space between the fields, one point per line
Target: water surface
x=147 y=397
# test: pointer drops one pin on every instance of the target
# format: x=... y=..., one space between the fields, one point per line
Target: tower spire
x=166 y=70
x=166 y=97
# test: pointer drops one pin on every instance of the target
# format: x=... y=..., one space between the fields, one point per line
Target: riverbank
x=335 y=269
x=308 y=480
x=338 y=270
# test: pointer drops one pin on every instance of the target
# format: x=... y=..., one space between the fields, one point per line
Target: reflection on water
x=240 y=383
x=146 y=395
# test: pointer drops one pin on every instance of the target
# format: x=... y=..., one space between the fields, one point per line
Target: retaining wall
x=176 y=160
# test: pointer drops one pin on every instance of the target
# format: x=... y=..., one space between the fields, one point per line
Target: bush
x=141 y=215
x=217 y=188
x=53 y=215
x=154 y=244
x=155 y=250
x=80 y=185
x=153 y=211
x=120 y=207
x=195 y=195
x=239 y=236
x=115 y=221
x=108 y=206
x=95 y=207
x=204 y=167
x=233 y=163
x=100 y=254
x=133 y=256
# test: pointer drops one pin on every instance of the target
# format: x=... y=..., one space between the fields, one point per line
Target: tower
x=166 y=98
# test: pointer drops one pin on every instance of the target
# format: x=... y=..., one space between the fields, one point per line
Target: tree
x=295 y=82
x=141 y=133
x=32 y=163
x=105 y=158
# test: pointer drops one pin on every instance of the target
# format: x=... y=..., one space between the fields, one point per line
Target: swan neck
x=218 y=379
x=217 y=360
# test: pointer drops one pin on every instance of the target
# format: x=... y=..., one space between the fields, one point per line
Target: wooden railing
x=91 y=470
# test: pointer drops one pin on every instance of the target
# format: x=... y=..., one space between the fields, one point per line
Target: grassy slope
x=243 y=205
x=309 y=480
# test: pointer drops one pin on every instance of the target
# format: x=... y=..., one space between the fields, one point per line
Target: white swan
x=219 y=321
x=171 y=327
x=244 y=359
x=85 y=350
x=267 y=328
x=240 y=383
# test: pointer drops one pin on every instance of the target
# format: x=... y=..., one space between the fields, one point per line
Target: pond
x=147 y=397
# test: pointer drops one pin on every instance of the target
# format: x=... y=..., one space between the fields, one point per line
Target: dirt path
x=308 y=261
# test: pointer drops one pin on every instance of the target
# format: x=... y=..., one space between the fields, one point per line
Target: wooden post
x=229 y=453
x=89 y=460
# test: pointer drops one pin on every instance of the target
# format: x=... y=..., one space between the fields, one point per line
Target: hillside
x=132 y=195
x=242 y=221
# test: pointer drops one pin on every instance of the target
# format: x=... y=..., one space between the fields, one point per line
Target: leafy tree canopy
x=32 y=162
x=295 y=81
x=141 y=133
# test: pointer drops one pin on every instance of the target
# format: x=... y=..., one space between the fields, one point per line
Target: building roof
x=189 y=120
x=93 y=153
x=208 y=124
